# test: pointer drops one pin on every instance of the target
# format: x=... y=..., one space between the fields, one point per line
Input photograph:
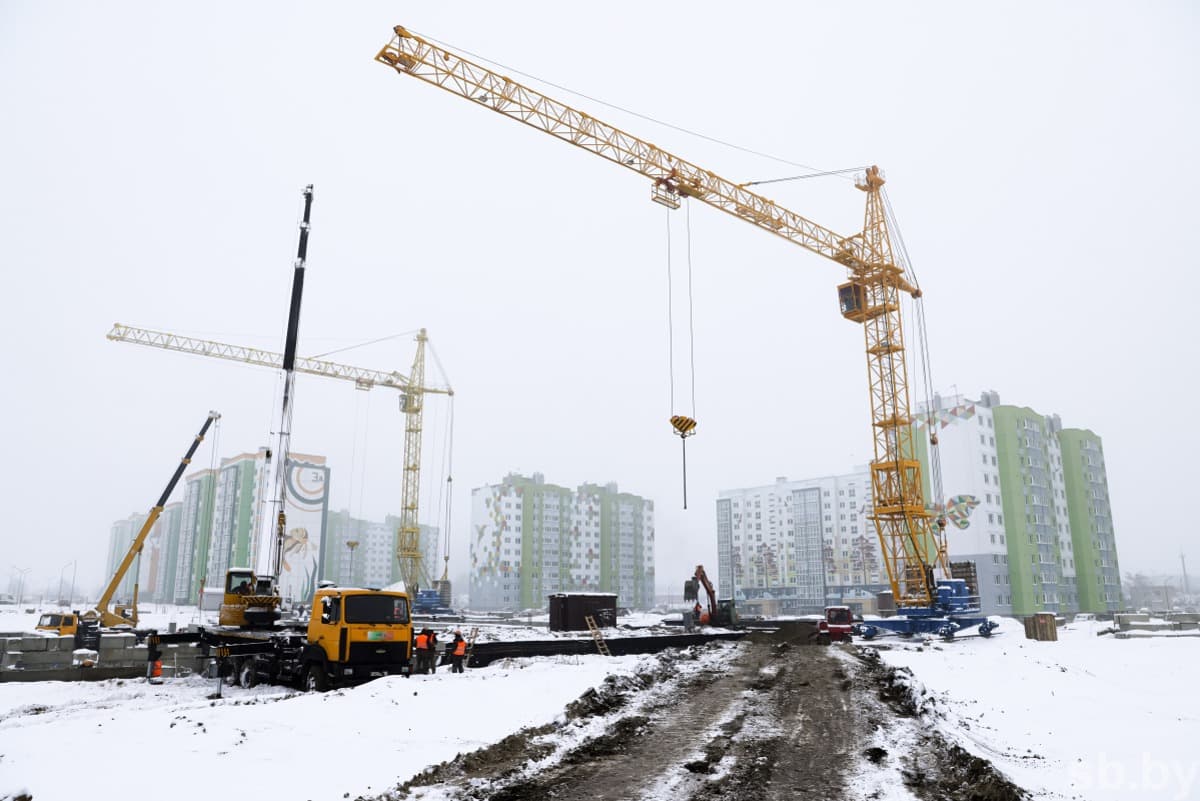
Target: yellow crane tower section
x=412 y=391
x=912 y=543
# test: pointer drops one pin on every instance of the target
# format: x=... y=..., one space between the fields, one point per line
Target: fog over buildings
x=1040 y=161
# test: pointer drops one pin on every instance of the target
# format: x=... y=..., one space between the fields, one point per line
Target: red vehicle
x=837 y=625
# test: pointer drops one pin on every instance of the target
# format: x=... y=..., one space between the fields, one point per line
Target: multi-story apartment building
x=195 y=529
x=372 y=561
x=1097 y=572
x=165 y=553
x=219 y=528
x=972 y=495
x=120 y=537
x=1043 y=514
x=234 y=514
x=530 y=539
x=793 y=547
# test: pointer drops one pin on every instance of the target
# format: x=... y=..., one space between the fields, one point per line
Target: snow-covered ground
x=1085 y=717
x=174 y=740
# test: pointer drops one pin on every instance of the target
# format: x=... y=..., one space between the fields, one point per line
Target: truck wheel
x=247 y=674
x=823 y=638
x=315 y=680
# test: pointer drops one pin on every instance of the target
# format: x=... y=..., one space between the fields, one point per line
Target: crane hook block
x=684 y=426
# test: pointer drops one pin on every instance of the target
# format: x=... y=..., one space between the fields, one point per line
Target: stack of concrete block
x=36 y=652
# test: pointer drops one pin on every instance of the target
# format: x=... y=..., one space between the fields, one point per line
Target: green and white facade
x=1097 y=572
x=1043 y=520
x=530 y=539
x=194 y=532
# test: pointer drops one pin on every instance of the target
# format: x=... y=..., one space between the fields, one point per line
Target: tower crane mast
x=913 y=543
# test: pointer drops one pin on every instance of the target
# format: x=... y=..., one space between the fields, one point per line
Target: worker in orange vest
x=458 y=650
x=433 y=654
x=421 y=650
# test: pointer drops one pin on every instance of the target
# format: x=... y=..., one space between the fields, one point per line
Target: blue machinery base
x=954 y=611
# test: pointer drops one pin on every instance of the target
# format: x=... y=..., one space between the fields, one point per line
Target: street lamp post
x=61 y=575
x=22 y=572
x=351 y=544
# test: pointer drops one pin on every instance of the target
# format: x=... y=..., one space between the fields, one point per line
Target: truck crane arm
x=101 y=611
x=910 y=542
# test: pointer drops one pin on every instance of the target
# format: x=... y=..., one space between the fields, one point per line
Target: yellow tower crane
x=913 y=544
x=412 y=391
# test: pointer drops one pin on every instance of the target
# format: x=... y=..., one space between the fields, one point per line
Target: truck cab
x=356 y=635
x=836 y=626
x=64 y=625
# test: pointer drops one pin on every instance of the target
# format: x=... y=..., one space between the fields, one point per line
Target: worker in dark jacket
x=458 y=650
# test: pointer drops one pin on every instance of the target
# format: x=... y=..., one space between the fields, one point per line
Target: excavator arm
x=910 y=542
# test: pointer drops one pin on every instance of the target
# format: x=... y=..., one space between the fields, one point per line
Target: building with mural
x=793 y=547
x=217 y=526
x=530 y=539
x=1042 y=529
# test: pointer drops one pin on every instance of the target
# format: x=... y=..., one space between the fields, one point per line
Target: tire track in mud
x=712 y=733
x=765 y=720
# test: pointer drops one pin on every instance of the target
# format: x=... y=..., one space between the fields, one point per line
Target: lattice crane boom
x=912 y=543
x=412 y=388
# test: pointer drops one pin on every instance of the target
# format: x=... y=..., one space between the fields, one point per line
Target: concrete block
x=11 y=644
x=113 y=641
x=60 y=644
x=33 y=643
x=45 y=660
x=11 y=659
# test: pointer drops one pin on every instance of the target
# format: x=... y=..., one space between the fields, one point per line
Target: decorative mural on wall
x=307 y=512
x=958 y=510
x=943 y=417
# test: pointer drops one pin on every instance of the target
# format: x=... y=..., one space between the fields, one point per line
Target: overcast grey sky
x=1041 y=159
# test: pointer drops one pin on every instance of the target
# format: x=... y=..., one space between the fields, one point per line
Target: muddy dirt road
x=765 y=719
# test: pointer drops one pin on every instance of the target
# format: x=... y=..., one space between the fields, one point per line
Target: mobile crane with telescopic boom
x=352 y=634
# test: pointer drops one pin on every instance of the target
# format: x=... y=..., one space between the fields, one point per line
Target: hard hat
x=458 y=631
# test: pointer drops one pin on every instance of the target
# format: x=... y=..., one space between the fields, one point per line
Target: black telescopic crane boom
x=275 y=543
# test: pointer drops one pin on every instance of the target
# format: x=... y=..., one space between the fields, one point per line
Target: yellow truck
x=353 y=635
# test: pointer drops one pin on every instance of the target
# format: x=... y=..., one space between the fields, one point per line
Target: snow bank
x=316 y=746
x=1085 y=717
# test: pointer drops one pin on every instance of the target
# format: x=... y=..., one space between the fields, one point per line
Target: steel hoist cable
x=683 y=425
